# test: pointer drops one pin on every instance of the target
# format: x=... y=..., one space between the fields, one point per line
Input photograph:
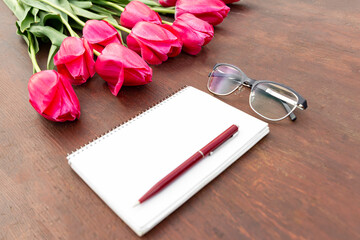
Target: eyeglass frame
x=251 y=83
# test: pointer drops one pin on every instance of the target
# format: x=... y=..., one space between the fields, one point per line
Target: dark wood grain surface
x=300 y=182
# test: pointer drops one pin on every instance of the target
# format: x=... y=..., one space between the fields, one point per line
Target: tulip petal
x=118 y=66
x=133 y=43
x=169 y=3
x=136 y=77
x=212 y=11
x=41 y=90
x=153 y=32
x=114 y=89
x=98 y=47
x=118 y=52
x=96 y=31
x=111 y=71
x=135 y=12
x=152 y=57
x=156 y=43
x=113 y=39
x=78 y=70
x=196 y=24
x=70 y=49
x=230 y=1
x=214 y=19
x=70 y=100
x=89 y=58
x=194 y=32
x=75 y=62
x=53 y=96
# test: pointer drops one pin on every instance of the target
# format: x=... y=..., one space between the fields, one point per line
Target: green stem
x=166 y=22
x=111 y=4
x=96 y=52
x=117 y=7
x=121 y=38
x=122 y=28
x=76 y=19
x=164 y=10
x=68 y=27
x=33 y=54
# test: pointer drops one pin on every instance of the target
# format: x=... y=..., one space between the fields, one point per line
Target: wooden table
x=300 y=182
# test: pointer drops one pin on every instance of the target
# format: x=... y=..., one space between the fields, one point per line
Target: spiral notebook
x=123 y=164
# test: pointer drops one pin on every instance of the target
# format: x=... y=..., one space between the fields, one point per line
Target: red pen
x=228 y=133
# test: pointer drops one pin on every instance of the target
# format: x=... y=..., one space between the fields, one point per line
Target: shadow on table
x=239 y=8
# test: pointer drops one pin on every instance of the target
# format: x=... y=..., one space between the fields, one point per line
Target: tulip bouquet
x=101 y=48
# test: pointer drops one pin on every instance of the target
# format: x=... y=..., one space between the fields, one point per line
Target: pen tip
x=137 y=203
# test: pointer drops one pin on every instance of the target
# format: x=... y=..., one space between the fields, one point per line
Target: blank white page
x=126 y=162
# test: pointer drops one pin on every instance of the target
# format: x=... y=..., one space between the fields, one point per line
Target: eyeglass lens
x=272 y=101
x=224 y=79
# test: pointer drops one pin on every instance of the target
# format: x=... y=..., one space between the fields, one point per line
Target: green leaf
x=120 y=1
x=47 y=8
x=104 y=11
x=50 y=61
x=151 y=3
x=34 y=12
x=25 y=37
x=25 y=14
x=75 y=25
x=36 y=4
x=16 y=8
x=35 y=42
x=52 y=20
x=147 y=2
x=55 y=36
x=111 y=20
x=27 y=19
x=81 y=4
x=86 y=14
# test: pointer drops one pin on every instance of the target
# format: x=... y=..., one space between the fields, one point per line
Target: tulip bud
x=53 y=96
x=100 y=33
x=211 y=11
x=136 y=12
x=74 y=60
x=118 y=66
x=194 y=32
x=154 y=42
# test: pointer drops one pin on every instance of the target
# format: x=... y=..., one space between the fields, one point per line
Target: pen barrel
x=228 y=133
x=171 y=176
x=190 y=161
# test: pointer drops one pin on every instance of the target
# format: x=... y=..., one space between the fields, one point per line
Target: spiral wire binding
x=123 y=124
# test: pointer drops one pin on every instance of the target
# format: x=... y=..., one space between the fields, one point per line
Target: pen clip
x=234 y=135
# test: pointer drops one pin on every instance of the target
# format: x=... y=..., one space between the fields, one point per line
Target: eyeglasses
x=272 y=101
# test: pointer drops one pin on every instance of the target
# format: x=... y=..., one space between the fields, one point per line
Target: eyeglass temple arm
x=292 y=116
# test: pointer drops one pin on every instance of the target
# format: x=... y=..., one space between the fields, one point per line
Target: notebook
x=126 y=162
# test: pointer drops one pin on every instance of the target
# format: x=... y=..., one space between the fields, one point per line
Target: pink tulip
x=118 y=66
x=230 y=1
x=211 y=11
x=154 y=42
x=100 y=33
x=53 y=96
x=193 y=32
x=136 y=12
x=167 y=3
x=74 y=60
